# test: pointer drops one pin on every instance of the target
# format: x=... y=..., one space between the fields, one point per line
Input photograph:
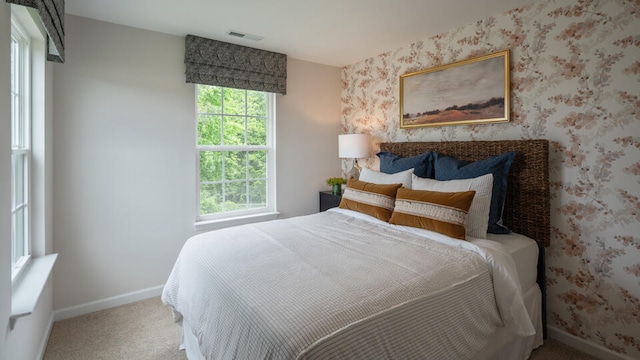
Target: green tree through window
x=234 y=147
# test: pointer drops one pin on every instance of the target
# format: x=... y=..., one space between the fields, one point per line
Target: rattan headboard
x=527 y=207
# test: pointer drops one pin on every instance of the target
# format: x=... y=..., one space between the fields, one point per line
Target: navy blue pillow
x=448 y=168
x=422 y=164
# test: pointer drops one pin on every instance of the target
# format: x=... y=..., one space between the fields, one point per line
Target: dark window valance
x=219 y=63
x=52 y=16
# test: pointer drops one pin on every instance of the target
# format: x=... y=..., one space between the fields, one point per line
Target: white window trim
x=208 y=225
x=233 y=218
x=26 y=292
x=24 y=135
x=29 y=284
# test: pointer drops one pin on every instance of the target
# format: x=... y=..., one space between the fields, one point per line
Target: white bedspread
x=338 y=285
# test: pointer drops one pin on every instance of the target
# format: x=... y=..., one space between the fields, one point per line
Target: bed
x=342 y=284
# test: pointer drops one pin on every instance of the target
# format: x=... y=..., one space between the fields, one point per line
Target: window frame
x=270 y=207
x=20 y=145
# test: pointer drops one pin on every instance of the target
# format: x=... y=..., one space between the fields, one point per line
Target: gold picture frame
x=471 y=91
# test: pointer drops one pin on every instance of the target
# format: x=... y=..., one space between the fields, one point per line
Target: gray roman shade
x=212 y=62
x=51 y=14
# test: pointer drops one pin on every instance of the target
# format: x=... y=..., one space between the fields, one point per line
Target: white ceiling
x=332 y=32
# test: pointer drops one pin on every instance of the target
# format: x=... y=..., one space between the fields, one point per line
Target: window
x=20 y=148
x=235 y=152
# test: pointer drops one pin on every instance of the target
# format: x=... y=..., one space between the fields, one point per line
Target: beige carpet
x=145 y=330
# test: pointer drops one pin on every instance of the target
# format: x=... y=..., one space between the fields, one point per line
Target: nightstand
x=328 y=200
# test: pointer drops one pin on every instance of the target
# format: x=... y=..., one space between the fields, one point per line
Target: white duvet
x=340 y=284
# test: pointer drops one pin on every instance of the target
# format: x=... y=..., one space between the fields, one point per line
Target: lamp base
x=354 y=172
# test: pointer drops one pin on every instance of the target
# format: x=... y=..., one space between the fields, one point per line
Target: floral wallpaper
x=575 y=77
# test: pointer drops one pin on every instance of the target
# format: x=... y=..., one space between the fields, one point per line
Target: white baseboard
x=45 y=339
x=585 y=346
x=107 y=303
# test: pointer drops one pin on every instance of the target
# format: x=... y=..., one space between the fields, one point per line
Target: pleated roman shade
x=51 y=14
x=212 y=62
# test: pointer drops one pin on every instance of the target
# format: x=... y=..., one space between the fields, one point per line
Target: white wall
x=308 y=123
x=124 y=171
x=28 y=338
x=124 y=188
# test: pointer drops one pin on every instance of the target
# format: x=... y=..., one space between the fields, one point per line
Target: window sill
x=207 y=225
x=28 y=288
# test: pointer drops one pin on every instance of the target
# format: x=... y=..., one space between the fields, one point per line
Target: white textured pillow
x=376 y=177
x=478 y=216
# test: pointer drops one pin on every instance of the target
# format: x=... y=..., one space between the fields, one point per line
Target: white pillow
x=376 y=177
x=478 y=216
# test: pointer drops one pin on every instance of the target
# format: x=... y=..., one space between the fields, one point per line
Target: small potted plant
x=336 y=184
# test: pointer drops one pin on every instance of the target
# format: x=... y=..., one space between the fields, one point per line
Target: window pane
x=235 y=165
x=211 y=198
x=234 y=130
x=18 y=234
x=14 y=63
x=256 y=103
x=236 y=196
x=15 y=121
x=232 y=119
x=209 y=99
x=257 y=164
x=209 y=130
x=18 y=162
x=210 y=166
x=256 y=131
x=234 y=101
x=257 y=194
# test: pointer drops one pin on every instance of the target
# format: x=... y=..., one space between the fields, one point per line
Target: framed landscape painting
x=466 y=92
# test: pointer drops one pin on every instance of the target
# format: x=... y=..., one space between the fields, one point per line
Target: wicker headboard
x=526 y=210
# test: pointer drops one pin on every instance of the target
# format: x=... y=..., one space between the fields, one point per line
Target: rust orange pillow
x=443 y=212
x=376 y=200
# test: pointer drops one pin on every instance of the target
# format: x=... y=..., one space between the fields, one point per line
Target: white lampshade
x=354 y=146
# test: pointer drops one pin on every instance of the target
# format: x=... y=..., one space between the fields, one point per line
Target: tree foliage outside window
x=234 y=149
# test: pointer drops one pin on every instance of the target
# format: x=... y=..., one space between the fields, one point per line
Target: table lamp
x=354 y=146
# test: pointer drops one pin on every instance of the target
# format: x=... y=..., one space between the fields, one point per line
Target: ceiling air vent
x=242 y=35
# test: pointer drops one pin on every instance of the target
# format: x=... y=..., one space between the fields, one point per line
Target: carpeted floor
x=145 y=331
x=142 y=330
